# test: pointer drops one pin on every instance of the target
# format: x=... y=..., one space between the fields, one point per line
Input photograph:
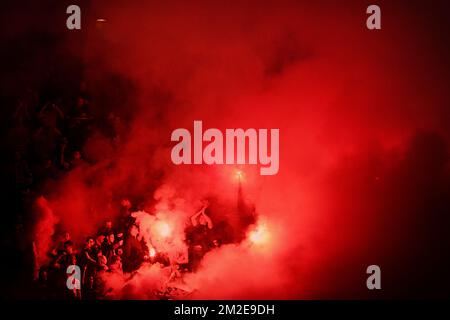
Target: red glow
x=341 y=124
x=239 y=175
x=164 y=229
x=260 y=235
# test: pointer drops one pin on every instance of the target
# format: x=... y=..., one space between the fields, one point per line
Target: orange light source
x=239 y=175
x=164 y=229
x=259 y=235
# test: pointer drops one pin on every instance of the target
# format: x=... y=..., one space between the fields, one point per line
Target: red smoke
x=352 y=106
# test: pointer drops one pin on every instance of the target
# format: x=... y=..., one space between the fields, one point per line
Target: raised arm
x=195 y=216
x=208 y=220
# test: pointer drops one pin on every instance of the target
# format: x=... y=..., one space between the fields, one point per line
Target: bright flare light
x=239 y=175
x=152 y=252
x=163 y=229
x=260 y=235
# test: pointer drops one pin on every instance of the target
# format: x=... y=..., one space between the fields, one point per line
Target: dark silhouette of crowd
x=109 y=251
x=50 y=137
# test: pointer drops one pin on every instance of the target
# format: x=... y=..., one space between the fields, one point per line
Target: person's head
x=100 y=238
x=125 y=203
x=205 y=203
x=90 y=242
x=108 y=224
x=175 y=266
x=80 y=101
x=76 y=155
x=119 y=252
x=111 y=238
x=66 y=236
x=63 y=237
x=134 y=231
x=68 y=247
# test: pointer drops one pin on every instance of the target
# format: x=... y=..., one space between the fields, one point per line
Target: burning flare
x=164 y=229
x=260 y=235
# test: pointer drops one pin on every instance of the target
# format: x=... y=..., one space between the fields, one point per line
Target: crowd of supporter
x=50 y=134
x=50 y=137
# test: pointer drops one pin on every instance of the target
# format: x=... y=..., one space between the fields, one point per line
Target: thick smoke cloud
x=363 y=119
